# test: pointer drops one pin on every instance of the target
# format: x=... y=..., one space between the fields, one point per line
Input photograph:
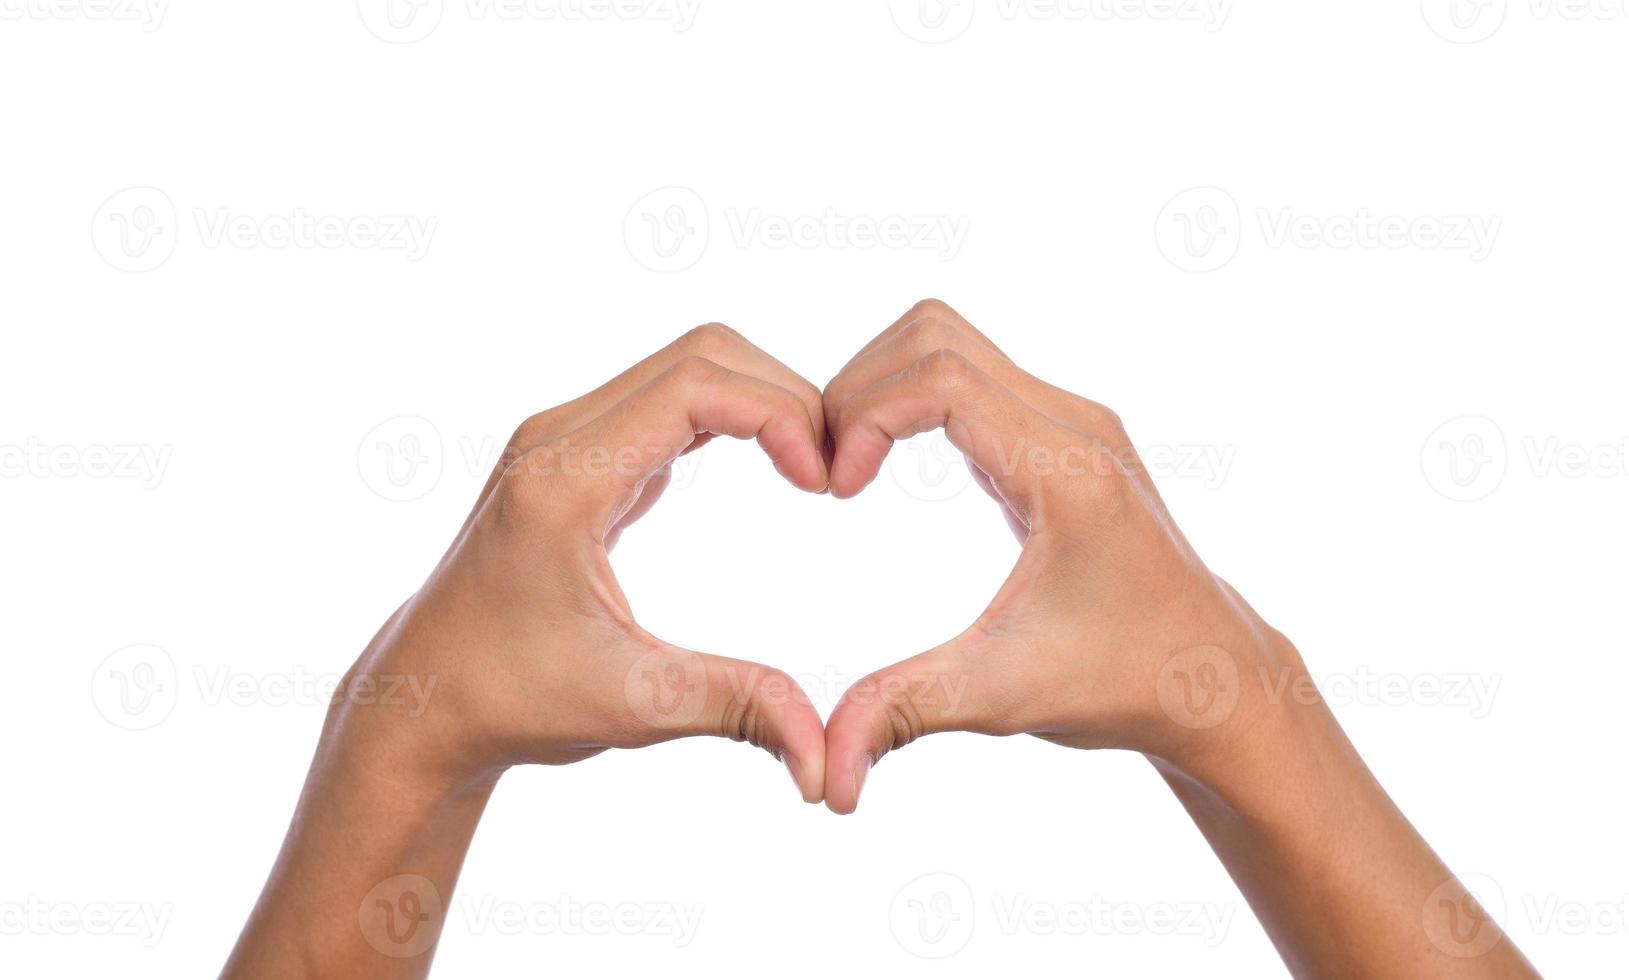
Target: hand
x=1110 y=632
x=521 y=648
x=534 y=649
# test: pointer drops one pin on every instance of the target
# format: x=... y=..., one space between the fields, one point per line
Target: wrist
x=419 y=755
x=1272 y=754
x=1245 y=717
x=367 y=870
x=398 y=709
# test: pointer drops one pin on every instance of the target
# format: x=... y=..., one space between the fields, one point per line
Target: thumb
x=892 y=708
x=680 y=693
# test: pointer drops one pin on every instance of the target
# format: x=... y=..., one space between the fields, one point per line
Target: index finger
x=980 y=416
x=653 y=425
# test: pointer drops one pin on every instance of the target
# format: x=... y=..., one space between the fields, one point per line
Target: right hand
x=1110 y=632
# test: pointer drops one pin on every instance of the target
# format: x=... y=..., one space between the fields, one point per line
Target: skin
x=534 y=657
x=1109 y=633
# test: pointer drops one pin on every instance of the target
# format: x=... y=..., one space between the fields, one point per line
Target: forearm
x=1337 y=875
x=367 y=870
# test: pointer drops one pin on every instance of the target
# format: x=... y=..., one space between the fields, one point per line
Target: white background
x=262 y=548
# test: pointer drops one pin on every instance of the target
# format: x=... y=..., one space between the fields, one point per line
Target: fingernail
x=860 y=772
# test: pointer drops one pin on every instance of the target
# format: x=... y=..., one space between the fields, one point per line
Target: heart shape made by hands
x=1077 y=644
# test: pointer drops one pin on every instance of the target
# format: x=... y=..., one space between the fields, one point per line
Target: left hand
x=537 y=653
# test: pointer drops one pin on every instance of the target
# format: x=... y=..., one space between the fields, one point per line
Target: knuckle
x=933 y=308
x=747 y=717
x=833 y=397
x=1105 y=421
x=840 y=418
x=849 y=412
x=692 y=372
x=902 y=723
x=945 y=369
x=812 y=399
x=790 y=404
x=709 y=338
x=738 y=720
x=891 y=698
x=929 y=333
x=525 y=491
x=530 y=433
